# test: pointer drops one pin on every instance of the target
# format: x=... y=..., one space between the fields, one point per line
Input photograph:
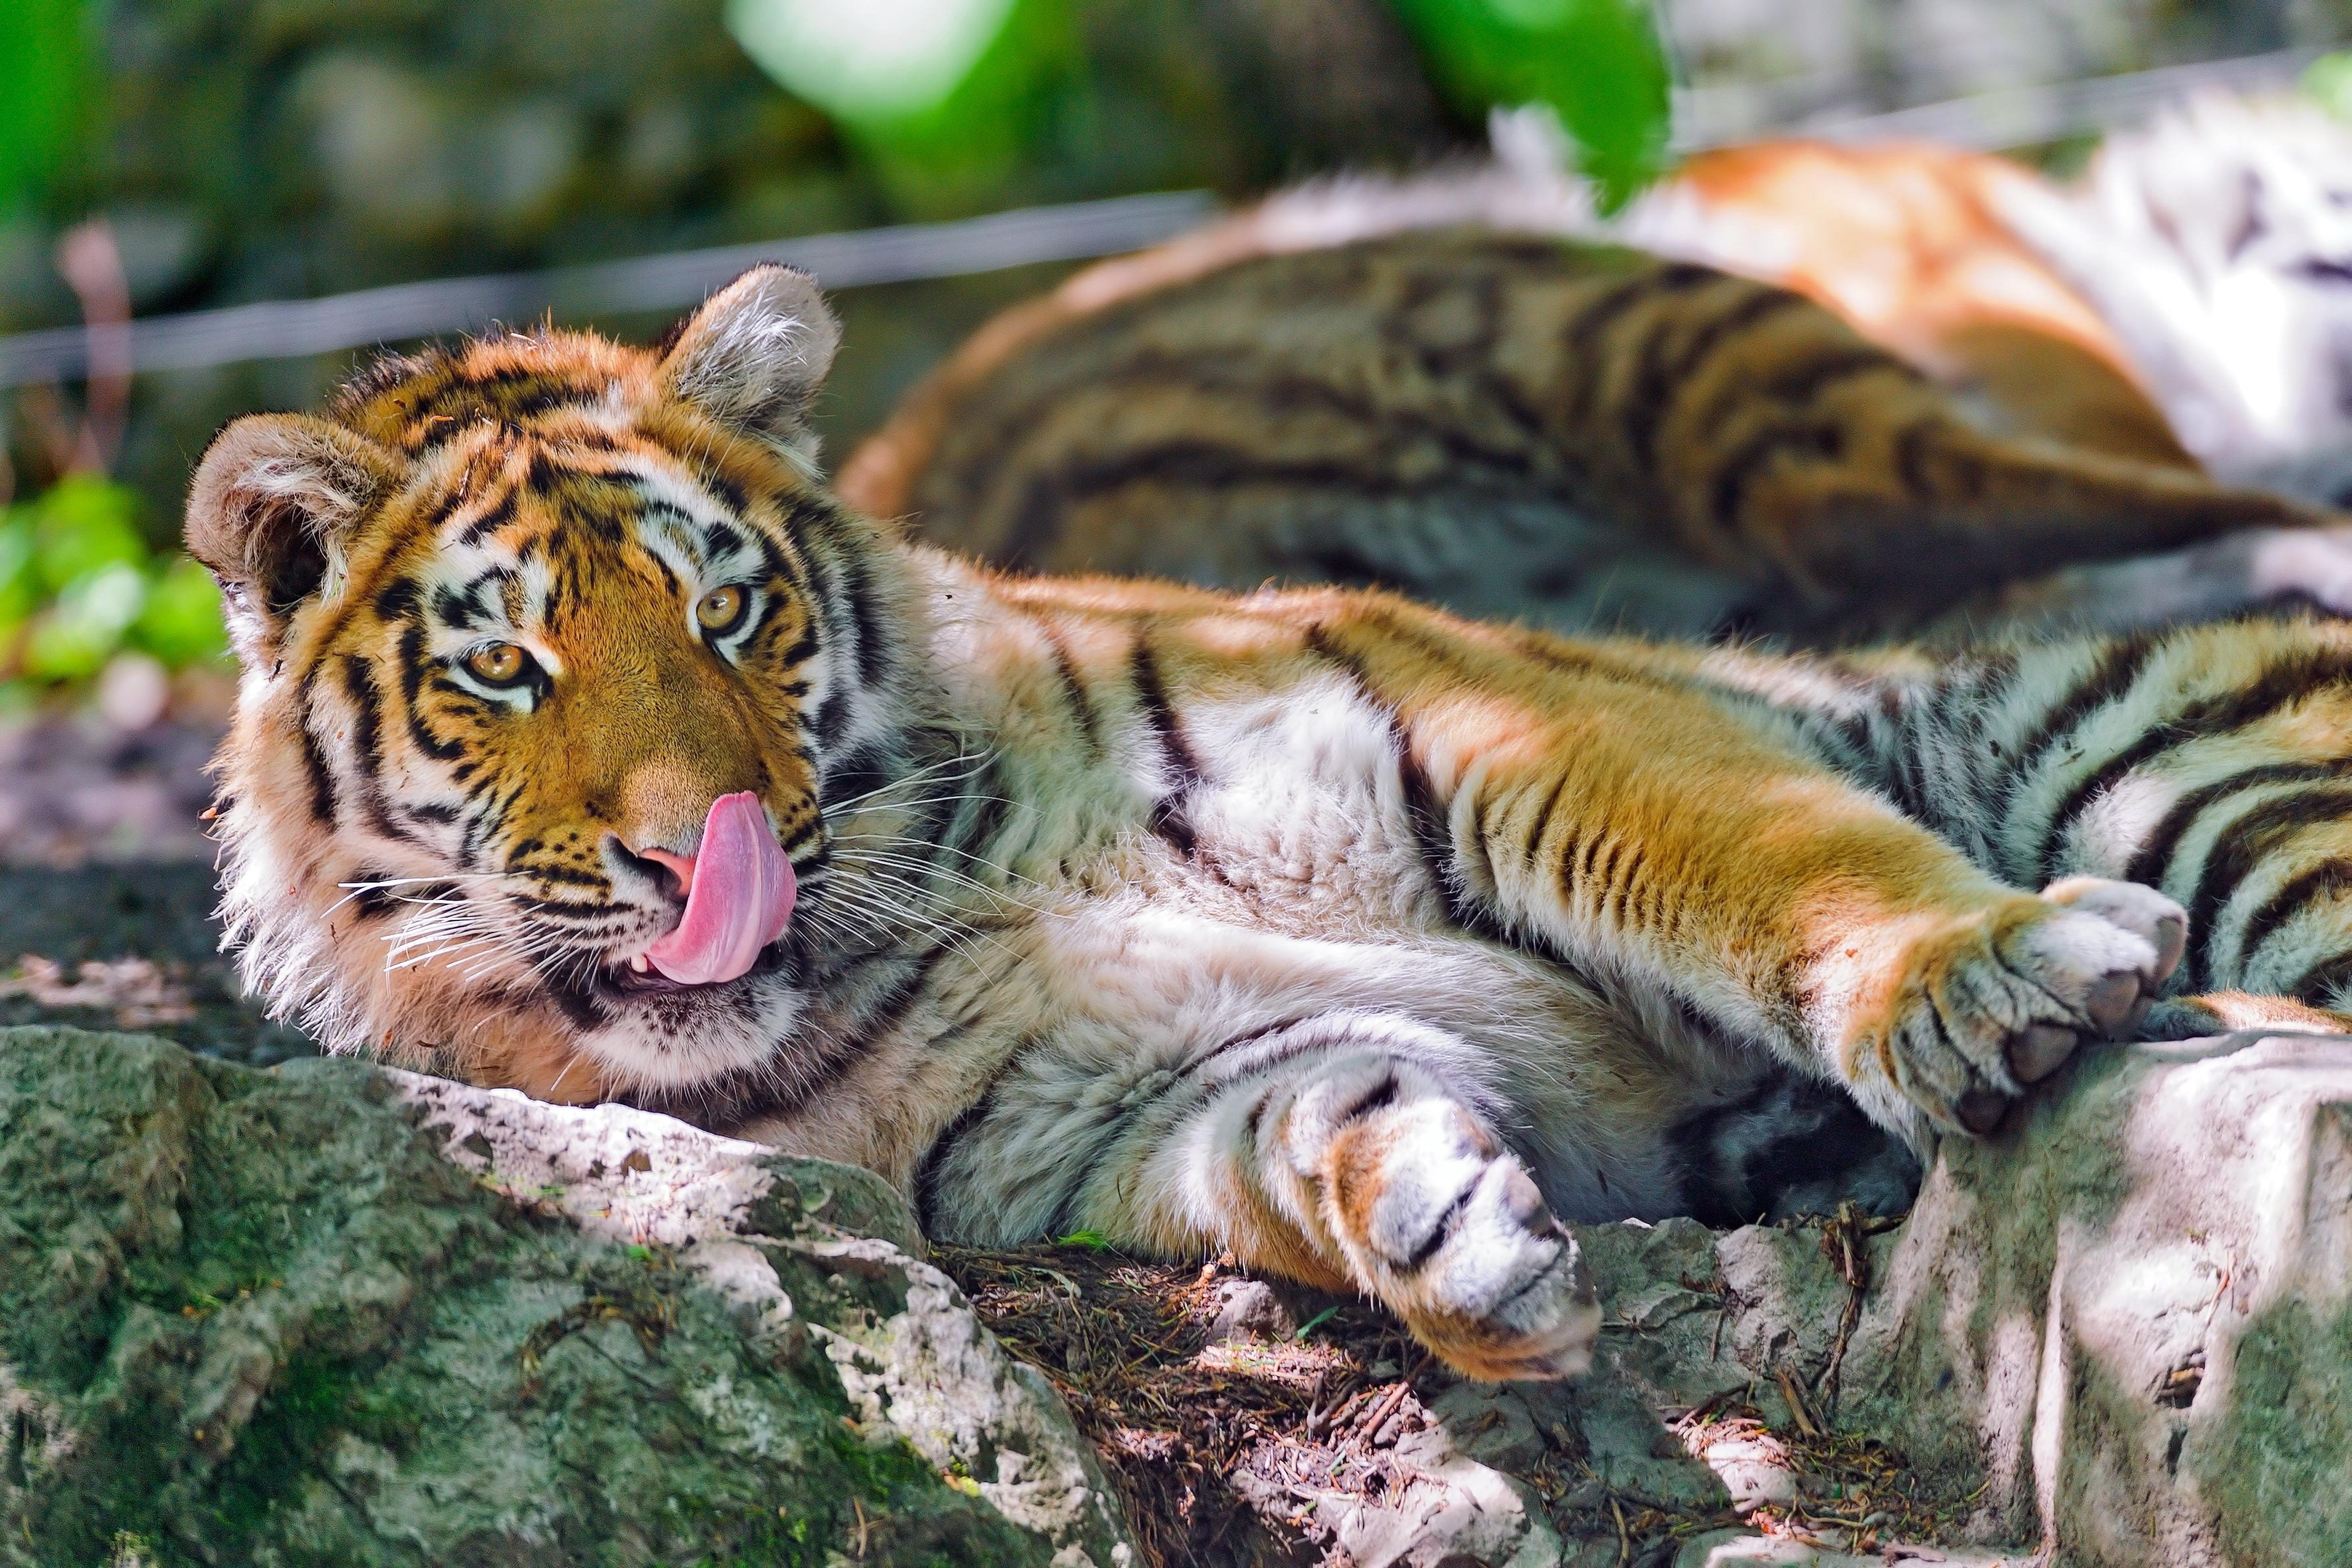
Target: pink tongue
x=741 y=899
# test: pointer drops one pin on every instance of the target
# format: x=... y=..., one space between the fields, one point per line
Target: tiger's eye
x=719 y=609
x=500 y=664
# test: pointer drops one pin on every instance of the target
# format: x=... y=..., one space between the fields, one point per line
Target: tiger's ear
x=755 y=354
x=271 y=505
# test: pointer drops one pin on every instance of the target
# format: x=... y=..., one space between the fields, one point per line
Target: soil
x=106 y=885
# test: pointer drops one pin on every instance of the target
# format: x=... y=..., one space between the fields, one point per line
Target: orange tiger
x=1889 y=414
x=586 y=743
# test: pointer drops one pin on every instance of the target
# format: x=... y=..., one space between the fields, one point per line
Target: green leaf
x=1092 y=1241
x=2329 y=79
x=82 y=629
x=1317 y=1322
x=1597 y=64
x=944 y=98
x=20 y=584
x=82 y=524
x=44 y=81
x=181 y=622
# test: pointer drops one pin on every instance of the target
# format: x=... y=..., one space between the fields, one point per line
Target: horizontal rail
x=289 y=328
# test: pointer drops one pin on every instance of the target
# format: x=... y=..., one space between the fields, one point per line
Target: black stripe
x=397 y=599
x=873 y=634
x=1250 y=1037
x=1659 y=377
x=2289 y=680
x=413 y=665
x=2320 y=985
x=1543 y=817
x=2328 y=879
x=1579 y=339
x=314 y=761
x=2116 y=670
x=1751 y=459
x=1074 y=688
x=497 y=515
x=2239 y=852
x=557 y=873
x=1169 y=815
x=929 y=1170
x=366 y=697
x=1804 y=382
x=969 y=833
x=892 y=1009
x=2155 y=854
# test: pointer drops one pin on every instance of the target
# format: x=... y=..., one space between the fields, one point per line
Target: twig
x=1797 y=1410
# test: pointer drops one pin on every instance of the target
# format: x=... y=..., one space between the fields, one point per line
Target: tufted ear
x=755 y=354
x=268 y=510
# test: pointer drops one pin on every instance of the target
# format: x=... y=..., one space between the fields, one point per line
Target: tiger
x=1399 y=384
x=2188 y=301
x=586 y=743
x=2216 y=243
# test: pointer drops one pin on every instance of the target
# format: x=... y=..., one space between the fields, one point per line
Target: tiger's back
x=1508 y=425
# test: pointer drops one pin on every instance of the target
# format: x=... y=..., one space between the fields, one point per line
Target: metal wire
x=292 y=327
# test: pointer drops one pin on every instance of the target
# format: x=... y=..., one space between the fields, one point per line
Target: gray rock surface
x=332 y=1315
x=2132 y=1325
x=2120 y=1335
x=329 y=1314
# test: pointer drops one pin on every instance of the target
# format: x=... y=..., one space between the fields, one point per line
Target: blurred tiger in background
x=586 y=743
x=1925 y=392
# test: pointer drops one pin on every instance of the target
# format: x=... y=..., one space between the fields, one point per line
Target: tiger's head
x=552 y=650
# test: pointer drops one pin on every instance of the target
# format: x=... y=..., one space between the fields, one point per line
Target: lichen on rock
x=334 y=1315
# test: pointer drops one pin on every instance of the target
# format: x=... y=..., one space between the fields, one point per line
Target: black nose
x=664 y=879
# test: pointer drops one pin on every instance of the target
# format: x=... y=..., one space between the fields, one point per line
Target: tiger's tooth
x=639 y=963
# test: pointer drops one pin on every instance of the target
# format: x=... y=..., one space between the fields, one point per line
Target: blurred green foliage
x=2329 y=79
x=43 y=82
x=79 y=584
x=1597 y=64
x=942 y=94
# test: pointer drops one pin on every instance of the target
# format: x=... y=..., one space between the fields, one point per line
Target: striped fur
x=1307 y=393
x=1314 y=924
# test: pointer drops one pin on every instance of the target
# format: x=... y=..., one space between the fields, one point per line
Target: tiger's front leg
x=1686 y=851
x=1360 y=1168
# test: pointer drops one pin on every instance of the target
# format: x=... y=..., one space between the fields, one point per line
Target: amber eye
x=720 y=609
x=499 y=664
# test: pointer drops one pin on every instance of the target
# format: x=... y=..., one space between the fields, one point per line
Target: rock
x=2130 y=1322
x=345 y=1312
x=1736 y=1549
x=1250 y=1306
x=2122 y=1330
x=328 y=1313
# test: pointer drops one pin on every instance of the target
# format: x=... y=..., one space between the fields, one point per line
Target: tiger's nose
x=652 y=861
x=680 y=867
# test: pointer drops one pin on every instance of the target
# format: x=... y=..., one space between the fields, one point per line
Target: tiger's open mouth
x=740 y=889
x=626 y=978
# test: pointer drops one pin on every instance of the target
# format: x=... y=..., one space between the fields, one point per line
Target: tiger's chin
x=650 y=1036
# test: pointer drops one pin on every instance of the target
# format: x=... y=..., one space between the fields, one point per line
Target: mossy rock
x=253 y=1317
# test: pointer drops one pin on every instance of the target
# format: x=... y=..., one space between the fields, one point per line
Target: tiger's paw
x=1994 y=1003
x=1448 y=1229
